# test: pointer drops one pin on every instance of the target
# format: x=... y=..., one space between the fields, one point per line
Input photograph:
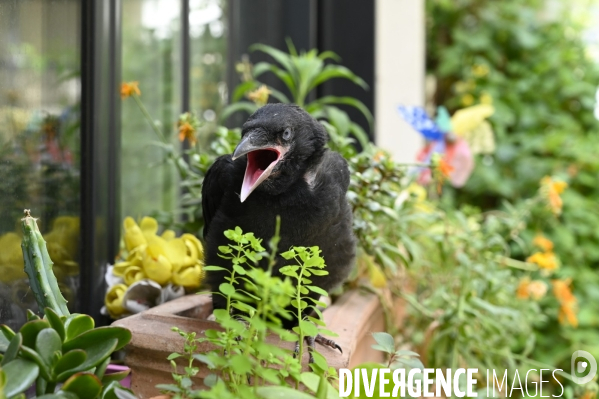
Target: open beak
x=261 y=160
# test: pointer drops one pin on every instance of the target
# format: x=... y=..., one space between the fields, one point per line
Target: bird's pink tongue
x=259 y=166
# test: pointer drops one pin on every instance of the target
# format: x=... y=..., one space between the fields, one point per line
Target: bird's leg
x=310 y=342
x=327 y=342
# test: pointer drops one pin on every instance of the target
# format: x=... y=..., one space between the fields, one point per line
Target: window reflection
x=208 y=64
x=39 y=143
x=150 y=55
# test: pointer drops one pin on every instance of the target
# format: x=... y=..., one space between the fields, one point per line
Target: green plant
x=533 y=61
x=244 y=362
x=61 y=348
x=301 y=73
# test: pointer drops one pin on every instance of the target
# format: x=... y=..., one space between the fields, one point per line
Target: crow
x=281 y=167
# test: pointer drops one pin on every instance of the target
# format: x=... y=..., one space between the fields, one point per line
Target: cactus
x=38 y=267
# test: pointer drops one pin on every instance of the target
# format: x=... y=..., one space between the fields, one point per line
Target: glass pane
x=150 y=56
x=207 y=20
x=39 y=143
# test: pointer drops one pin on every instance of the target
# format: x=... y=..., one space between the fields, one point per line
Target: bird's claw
x=327 y=342
x=310 y=342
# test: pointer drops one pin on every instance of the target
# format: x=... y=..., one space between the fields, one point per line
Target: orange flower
x=522 y=290
x=186 y=131
x=188 y=124
x=440 y=170
x=543 y=242
x=260 y=95
x=551 y=190
x=130 y=88
x=567 y=300
x=445 y=168
x=527 y=289
x=545 y=260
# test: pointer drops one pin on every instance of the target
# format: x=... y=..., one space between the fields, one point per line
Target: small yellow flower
x=467 y=100
x=486 y=99
x=545 y=260
x=567 y=300
x=480 y=70
x=129 y=89
x=543 y=242
x=260 y=95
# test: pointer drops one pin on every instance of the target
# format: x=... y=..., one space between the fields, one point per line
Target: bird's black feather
x=307 y=188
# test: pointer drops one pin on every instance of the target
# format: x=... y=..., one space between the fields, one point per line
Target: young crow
x=281 y=167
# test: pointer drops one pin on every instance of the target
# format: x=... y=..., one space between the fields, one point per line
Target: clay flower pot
x=354 y=316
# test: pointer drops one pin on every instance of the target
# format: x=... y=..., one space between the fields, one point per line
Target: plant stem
x=145 y=112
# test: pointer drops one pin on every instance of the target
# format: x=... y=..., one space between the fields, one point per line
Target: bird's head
x=280 y=141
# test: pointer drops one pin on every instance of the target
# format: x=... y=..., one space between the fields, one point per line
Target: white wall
x=399 y=73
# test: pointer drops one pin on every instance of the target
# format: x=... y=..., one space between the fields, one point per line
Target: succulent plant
x=60 y=348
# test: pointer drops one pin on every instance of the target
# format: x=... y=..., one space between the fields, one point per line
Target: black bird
x=281 y=167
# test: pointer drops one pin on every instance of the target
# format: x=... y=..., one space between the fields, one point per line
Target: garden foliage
x=530 y=57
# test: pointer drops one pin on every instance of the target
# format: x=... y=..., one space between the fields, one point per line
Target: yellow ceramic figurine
x=164 y=259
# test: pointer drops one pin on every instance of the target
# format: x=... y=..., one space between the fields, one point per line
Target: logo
x=578 y=366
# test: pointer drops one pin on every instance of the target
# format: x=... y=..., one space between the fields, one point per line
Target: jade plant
x=60 y=349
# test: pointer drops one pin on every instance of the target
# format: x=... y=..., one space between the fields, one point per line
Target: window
x=39 y=143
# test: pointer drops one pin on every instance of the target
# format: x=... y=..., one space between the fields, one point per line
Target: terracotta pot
x=354 y=316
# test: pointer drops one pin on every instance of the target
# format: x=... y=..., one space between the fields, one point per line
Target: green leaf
x=214 y=268
x=229 y=110
x=241 y=364
x=101 y=368
x=308 y=328
x=13 y=349
x=346 y=101
x=77 y=324
x=239 y=270
x=84 y=385
x=30 y=331
x=33 y=356
x=313 y=382
x=204 y=359
x=337 y=71
x=116 y=376
x=385 y=341
x=55 y=322
x=91 y=337
x=274 y=392
x=59 y=395
x=226 y=289
x=242 y=89
x=69 y=361
x=318 y=290
x=31 y=315
x=96 y=351
x=20 y=374
x=6 y=332
x=47 y=343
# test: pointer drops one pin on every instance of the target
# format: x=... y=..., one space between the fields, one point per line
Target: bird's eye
x=287 y=134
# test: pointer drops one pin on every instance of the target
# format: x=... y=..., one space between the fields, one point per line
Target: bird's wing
x=332 y=174
x=213 y=188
